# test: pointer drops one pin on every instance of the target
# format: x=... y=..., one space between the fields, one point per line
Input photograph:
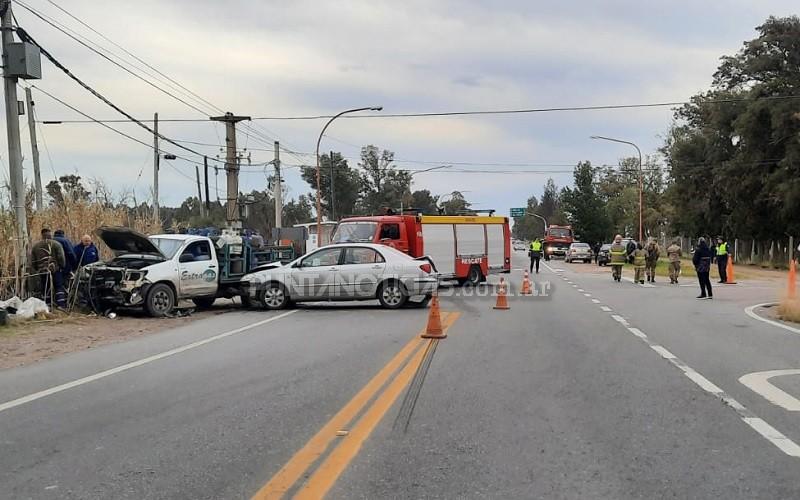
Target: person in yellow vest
x=639 y=263
x=722 y=254
x=674 y=254
x=535 y=254
x=618 y=255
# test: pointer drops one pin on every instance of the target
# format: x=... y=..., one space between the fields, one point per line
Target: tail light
x=426 y=268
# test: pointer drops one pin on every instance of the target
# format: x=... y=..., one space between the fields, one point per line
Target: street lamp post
x=419 y=172
x=543 y=220
x=319 y=177
x=641 y=179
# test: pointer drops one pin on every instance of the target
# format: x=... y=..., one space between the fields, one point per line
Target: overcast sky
x=265 y=58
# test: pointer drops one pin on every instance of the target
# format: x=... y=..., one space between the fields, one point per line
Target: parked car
x=354 y=271
x=520 y=246
x=603 y=256
x=579 y=251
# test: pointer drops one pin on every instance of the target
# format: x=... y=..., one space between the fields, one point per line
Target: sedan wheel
x=391 y=295
x=274 y=297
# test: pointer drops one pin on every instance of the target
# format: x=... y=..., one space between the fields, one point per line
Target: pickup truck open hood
x=123 y=241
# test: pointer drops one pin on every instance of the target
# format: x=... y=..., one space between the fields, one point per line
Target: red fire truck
x=463 y=247
x=557 y=240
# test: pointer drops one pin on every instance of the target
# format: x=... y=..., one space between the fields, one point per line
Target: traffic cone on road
x=526 y=285
x=729 y=272
x=502 y=299
x=434 y=329
x=792 y=284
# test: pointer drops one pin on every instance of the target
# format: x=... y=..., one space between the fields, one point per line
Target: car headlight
x=135 y=275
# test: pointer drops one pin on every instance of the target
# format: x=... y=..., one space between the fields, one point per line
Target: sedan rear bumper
x=421 y=286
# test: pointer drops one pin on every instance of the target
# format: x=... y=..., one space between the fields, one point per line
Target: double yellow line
x=324 y=477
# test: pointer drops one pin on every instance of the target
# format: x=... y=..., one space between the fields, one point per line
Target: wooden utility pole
x=199 y=193
x=156 y=159
x=277 y=190
x=208 y=204
x=37 y=174
x=231 y=168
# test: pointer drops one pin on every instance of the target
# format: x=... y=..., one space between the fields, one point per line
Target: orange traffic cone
x=526 y=285
x=502 y=299
x=792 y=285
x=434 y=329
x=729 y=272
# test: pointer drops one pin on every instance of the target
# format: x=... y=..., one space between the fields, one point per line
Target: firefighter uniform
x=653 y=253
x=639 y=263
x=618 y=255
x=674 y=255
x=535 y=254
x=722 y=261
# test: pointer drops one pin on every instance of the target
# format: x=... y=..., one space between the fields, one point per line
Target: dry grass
x=789 y=309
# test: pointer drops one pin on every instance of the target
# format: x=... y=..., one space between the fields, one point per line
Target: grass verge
x=789 y=309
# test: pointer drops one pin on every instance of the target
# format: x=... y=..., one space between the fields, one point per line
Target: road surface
x=599 y=390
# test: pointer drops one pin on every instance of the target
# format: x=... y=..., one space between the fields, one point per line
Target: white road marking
x=700 y=380
x=595 y=301
x=662 y=351
x=620 y=319
x=750 y=311
x=574 y=286
x=759 y=382
x=580 y=289
x=587 y=294
x=774 y=436
x=637 y=332
x=643 y=285
x=134 y=364
x=605 y=308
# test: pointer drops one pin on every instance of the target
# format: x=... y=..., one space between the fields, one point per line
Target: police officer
x=674 y=254
x=639 y=263
x=618 y=256
x=722 y=259
x=653 y=253
x=535 y=254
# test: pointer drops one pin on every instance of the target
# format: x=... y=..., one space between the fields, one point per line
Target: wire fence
x=775 y=253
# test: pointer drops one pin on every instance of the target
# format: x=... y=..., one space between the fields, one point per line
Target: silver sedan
x=360 y=271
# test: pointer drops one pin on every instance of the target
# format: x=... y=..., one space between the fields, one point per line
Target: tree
x=424 y=201
x=583 y=206
x=382 y=185
x=346 y=185
x=67 y=187
x=550 y=204
x=298 y=211
x=456 y=202
x=528 y=227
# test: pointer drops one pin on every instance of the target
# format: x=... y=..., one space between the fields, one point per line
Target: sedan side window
x=326 y=257
x=359 y=255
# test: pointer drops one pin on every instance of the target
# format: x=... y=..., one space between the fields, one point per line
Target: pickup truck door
x=360 y=272
x=198 y=270
x=316 y=276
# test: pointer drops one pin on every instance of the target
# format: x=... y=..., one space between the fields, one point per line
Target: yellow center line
x=337 y=461
x=288 y=475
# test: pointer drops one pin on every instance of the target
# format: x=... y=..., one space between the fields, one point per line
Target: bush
x=789 y=309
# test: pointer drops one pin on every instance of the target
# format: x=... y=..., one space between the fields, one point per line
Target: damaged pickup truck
x=156 y=272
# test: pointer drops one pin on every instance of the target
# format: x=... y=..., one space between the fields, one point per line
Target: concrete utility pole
x=156 y=159
x=14 y=151
x=278 y=192
x=37 y=174
x=205 y=176
x=231 y=167
x=199 y=192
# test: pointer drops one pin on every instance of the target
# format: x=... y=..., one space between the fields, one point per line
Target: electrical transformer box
x=24 y=61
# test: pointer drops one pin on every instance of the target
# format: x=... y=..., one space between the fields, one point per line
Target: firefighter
x=535 y=254
x=653 y=253
x=639 y=263
x=674 y=254
x=47 y=257
x=618 y=255
x=722 y=254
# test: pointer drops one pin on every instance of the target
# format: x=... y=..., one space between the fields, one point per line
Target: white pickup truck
x=156 y=272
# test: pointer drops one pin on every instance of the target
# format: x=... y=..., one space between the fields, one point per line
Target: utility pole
x=231 y=167
x=37 y=174
x=156 y=159
x=14 y=150
x=199 y=193
x=333 y=201
x=278 y=192
x=208 y=204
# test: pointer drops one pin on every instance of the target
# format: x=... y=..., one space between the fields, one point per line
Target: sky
x=263 y=58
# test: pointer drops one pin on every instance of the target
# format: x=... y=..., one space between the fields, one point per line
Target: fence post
x=791 y=249
x=735 y=250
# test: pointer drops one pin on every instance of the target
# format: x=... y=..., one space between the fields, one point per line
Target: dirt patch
x=32 y=341
x=789 y=310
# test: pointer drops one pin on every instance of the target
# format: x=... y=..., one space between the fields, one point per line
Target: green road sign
x=517 y=212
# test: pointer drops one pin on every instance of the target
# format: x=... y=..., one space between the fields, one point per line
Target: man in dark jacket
x=703 y=255
x=86 y=252
x=630 y=249
x=47 y=257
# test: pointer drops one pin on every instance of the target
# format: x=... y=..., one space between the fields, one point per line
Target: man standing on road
x=535 y=253
x=630 y=249
x=618 y=255
x=722 y=259
x=47 y=257
x=639 y=262
x=702 y=263
x=653 y=253
x=674 y=253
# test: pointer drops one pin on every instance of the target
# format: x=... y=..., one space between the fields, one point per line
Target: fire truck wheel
x=392 y=295
x=474 y=277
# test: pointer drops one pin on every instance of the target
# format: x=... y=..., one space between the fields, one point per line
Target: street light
x=452 y=193
x=641 y=181
x=319 y=181
x=543 y=220
x=420 y=172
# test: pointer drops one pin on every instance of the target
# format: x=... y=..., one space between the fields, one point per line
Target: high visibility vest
x=536 y=246
x=722 y=249
x=639 y=257
x=617 y=254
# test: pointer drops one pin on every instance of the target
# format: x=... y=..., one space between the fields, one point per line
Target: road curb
x=750 y=311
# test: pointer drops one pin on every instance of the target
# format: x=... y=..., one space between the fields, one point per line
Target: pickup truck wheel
x=391 y=295
x=274 y=297
x=160 y=300
x=204 y=302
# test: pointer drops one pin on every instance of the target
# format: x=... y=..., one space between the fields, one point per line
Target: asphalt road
x=629 y=392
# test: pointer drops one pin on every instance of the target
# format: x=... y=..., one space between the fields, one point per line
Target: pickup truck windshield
x=355 y=232
x=168 y=246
